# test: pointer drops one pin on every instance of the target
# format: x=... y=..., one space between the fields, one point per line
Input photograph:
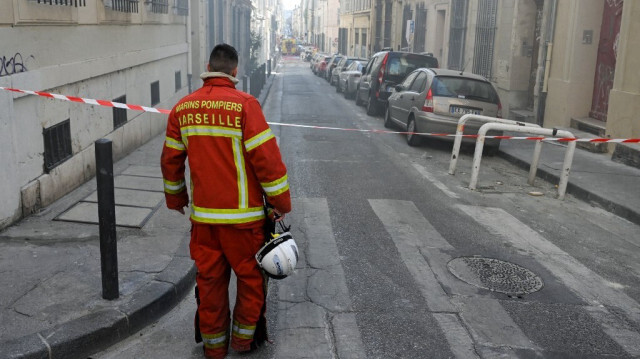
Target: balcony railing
x=129 y=6
x=75 y=3
x=158 y=6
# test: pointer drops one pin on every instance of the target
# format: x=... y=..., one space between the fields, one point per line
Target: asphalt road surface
x=401 y=260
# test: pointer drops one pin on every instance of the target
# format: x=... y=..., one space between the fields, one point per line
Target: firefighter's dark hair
x=224 y=58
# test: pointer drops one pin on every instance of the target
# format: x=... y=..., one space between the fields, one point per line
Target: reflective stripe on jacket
x=234 y=159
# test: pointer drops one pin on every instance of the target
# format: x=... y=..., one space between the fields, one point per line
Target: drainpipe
x=551 y=26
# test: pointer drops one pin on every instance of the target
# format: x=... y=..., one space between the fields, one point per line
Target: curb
x=81 y=337
x=265 y=90
x=577 y=191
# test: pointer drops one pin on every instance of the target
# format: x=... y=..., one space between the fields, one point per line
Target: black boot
x=196 y=321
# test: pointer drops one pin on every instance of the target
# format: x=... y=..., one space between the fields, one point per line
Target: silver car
x=432 y=100
x=350 y=77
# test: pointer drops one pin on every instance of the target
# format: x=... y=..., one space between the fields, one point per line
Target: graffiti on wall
x=13 y=65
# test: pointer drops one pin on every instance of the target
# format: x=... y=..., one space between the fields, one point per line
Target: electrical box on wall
x=587 y=37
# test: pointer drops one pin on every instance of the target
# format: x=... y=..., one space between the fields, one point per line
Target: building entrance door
x=606 y=62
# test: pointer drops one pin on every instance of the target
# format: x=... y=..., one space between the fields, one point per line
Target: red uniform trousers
x=217 y=249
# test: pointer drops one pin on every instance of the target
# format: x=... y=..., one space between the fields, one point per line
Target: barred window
x=158 y=6
x=155 y=93
x=119 y=114
x=178 y=81
x=182 y=7
x=485 y=38
x=57 y=144
x=75 y=3
x=457 y=34
x=128 y=6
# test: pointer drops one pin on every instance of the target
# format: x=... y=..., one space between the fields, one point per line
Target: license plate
x=455 y=110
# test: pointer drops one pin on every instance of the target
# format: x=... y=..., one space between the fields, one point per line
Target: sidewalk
x=594 y=178
x=51 y=302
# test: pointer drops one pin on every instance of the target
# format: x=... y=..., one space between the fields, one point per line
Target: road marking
x=409 y=230
x=459 y=341
x=425 y=173
x=316 y=292
x=582 y=281
x=416 y=239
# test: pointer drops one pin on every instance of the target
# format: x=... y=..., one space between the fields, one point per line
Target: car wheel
x=358 y=100
x=412 y=139
x=372 y=108
x=338 y=89
x=387 y=118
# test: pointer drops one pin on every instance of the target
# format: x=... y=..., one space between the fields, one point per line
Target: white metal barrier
x=459 y=131
x=568 y=156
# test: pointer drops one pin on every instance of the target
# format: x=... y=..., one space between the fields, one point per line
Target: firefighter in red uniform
x=234 y=164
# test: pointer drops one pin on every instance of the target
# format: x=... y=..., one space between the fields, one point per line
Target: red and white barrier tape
x=164 y=111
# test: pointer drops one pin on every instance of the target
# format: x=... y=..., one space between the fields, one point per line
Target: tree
x=254 y=48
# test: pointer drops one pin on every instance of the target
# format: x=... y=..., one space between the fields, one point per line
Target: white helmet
x=278 y=258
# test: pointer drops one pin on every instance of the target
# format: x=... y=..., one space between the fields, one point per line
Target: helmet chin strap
x=283 y=227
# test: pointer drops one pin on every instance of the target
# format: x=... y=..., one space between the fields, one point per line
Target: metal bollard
x=269 y=68
x=107 y=219
x=245 y=84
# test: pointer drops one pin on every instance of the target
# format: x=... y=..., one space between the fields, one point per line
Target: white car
x=349 y=78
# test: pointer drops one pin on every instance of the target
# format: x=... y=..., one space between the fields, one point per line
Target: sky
x=290 y=4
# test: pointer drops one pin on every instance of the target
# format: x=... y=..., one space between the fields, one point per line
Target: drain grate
x=495 y=275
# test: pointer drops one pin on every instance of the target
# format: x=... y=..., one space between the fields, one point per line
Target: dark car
x=384 y=71
x=342 y=65
x=331 y=64
x=433 y=100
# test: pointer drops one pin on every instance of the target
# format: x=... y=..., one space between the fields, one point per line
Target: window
x=466 y=88
x=421 y=28
x=182 y=7
x=158 y=6
x=155 y=93
x=119 y=114
x=388 y=22
x=407 y=82
x=178 y=81
x=407 y=14
x=418 y=84
x=485 y=37
x=57 y=144
x=129 y=6
x=457 y=34
x=75 y=3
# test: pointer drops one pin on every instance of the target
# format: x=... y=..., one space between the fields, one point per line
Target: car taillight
x=381 y=73
x=499 y=115
x=428 y=102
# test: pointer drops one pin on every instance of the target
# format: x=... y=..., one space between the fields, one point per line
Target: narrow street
x=399 y=258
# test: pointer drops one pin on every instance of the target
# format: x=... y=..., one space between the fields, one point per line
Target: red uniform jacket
x=234 y=159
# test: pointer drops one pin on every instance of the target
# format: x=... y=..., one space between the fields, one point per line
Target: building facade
x=355 y=28
x=147 y=53
x=266 y=22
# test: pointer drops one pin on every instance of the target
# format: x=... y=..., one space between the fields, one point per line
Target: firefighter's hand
x=277 y=216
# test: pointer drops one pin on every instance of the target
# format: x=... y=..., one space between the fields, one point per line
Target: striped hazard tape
x=106 y=103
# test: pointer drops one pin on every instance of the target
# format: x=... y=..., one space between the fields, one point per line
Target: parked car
x=321 y=65
x=342 y=65
x=349 y=78
x=432 y=100
x=331 y=65
x=314 y=61
x=385 y=70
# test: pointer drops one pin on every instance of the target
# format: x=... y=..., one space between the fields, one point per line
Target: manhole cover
x=495 y=275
